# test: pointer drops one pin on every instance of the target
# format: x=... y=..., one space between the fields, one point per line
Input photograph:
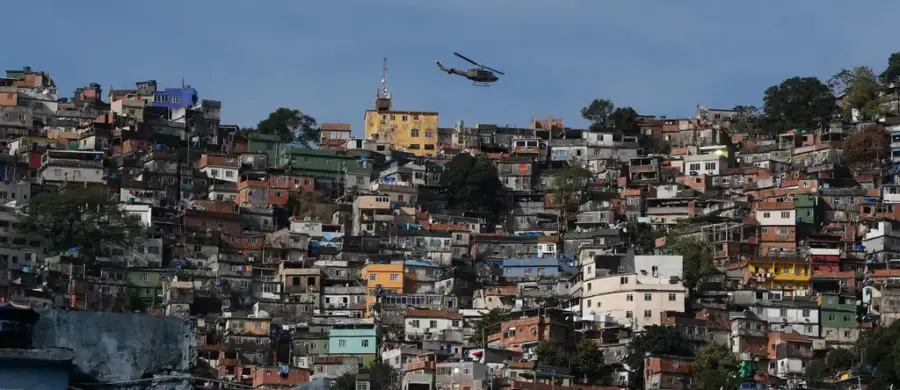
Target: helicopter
x=482 y=75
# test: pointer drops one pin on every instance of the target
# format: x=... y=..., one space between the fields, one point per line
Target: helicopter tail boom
x=449 y=71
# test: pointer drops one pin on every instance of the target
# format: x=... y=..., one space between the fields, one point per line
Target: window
x=342 y=343
x=629 y=297
x=783 y=231
x=710 y=166
x=372 y=277
x=629 y=314
x=456 y=323
x=766 y=215
x=806 y=312
x=782 y=312
x=414 y=323
x=229 y=173
x=765 y=230
x=428 y=133
x=831 y=317
x=432 y=324
x=414 y=146
x=153 y=250
x=694 y=167
x=364 y=343
x=405 y=118
x=414 y=133
x=648 y=314
x=648 y=297
x=395 y=277
x=176 y=99
x=143 y=277
x=785 y=214
x=429 y=146
x=671 y=297
x=623 y=280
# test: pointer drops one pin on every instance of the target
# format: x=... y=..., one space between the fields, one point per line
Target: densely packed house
x=302 y=262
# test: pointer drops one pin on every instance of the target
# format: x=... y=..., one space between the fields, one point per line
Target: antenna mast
x=383 y=98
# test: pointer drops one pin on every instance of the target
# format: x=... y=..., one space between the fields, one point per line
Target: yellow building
x=415 y=132
x=780 y=273
x=387 y=276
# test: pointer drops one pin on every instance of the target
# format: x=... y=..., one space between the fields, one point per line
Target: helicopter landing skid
x=481 y=84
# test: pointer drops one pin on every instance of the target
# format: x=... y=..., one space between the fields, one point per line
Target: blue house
x=523 y=268
x=176 y=97
x=352 y=342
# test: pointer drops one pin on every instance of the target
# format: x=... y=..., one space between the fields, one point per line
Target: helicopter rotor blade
x=493 y=70
x=467 y=59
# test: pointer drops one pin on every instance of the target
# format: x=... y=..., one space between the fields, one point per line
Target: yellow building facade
x=780 y=274
x=415 y=132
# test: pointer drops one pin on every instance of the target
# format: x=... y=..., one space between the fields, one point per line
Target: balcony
x=344 y=290
x=377 y=218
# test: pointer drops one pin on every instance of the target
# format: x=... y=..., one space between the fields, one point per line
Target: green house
x=321 y=164
x=809 y=209
x=269 y=144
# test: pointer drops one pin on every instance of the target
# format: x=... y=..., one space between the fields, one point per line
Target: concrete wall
x=113 y=347
x=317 y=384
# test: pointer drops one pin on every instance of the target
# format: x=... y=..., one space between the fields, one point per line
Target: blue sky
x=324 y=57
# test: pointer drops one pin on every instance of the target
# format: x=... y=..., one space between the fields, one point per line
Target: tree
x=382 y=376
x=86 y=221
x=659 y=340
x=880 y=348
x=487 y=325
x=861 y=89
x=867 y=148
x=656 y=145
x=344 y=382
x=798 y=103
x=625 y=118
x=568 y=187
x=554 y=355
x=128 y=301
x=291 y=125
x=744 y=120
x=588 y=362
x=599 y=113
x=892 y=73
x=714 y=367
x=697 y=259
x=474 y=185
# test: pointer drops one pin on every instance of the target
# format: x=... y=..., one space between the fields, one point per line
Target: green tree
x=588 y=362
x=798 y=103
x=659 y=340
x=867 y=148
x=714 y=367
x=880 y=348
x=487 y=325
x=655 y=145
x=599 y=113
x=697 y=260
x=474 y=185
x=291 y=125
x=382 y=376
x=861 y=88
x=551 y=354
x=87 y=219
x=892 y=73
x=744 y=120
x=625 y=118
x=836 y=360
x=344 y=382
x=128 y=301
x=569 y=187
